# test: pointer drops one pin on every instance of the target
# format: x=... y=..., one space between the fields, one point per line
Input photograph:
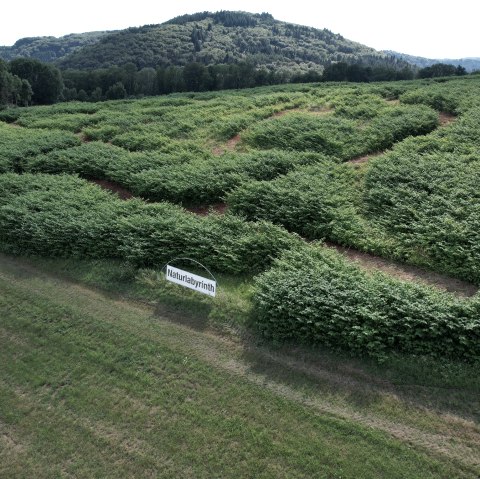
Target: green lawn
x=93 y=385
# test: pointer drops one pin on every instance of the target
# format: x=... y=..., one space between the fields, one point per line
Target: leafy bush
x=10 y=115
x=418 y=203
x=67 y=121
x=343 y=137
x=89 y=159
x=431 y=204
x=208 y=180
x=302 y=132
x=141 y=141
x=66 y=216
x=440 y=100
x=313 y=295
x=18 y=144
x=312 y=201
x=398 y=123
x=56 y=216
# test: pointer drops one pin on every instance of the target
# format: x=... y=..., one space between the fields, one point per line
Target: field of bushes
x=376 y=168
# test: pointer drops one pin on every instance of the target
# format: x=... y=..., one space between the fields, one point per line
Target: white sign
x=192 y=281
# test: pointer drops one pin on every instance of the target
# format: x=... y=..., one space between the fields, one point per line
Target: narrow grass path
x=95 y=386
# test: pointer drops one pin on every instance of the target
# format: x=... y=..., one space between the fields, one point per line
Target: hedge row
x=66 y=216
x=313 y=295
x=178 y=174
x=453 y=95
x=343 y=137
x=210 y=179
x=102 y=161
x=418 y=203
x=430 y=202
x=315 y=202
x=18 y=144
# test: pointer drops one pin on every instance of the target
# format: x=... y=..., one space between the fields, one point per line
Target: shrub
x=208 y=180
x=66 y=216
x=313 y=295
x=19 y=144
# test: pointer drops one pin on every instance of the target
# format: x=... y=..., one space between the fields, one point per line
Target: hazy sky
x=434 y=29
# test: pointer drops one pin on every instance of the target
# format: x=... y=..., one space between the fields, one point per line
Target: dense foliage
x=66 y=216
x=13 y=89
x=45 y=79
x=341 y=135
x=292 y=155
x=417 y=203
x=119 y=82
x=17 y=146
x=24 y=81
x=315 y=296
x=443 y=177
x=49 y=49
x=441 y=70
x=225 y=37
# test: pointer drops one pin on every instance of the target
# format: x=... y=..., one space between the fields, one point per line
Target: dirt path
x=426 y=418
x=205 y=210
x=359 y=160
x=228 y=146
x=124 y=194
x=119 y=190
x=446 y=118
x=83 y=137
x=405 y=272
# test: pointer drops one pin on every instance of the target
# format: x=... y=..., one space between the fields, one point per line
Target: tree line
x=26 y=81
x=122 y=82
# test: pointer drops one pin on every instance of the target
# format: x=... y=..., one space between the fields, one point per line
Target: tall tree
x=146 y=82
x=26 y=93
x=45 y=80
x=116 y=92
x=195 y=76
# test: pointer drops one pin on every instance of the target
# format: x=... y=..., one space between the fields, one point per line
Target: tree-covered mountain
x=50 y=49
x=225 y=38
x=470 y=64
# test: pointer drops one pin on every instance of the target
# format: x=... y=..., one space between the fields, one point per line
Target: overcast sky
x=433 y=29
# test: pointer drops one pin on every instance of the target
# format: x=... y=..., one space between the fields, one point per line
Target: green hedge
x=208 y=180
x=431 y=204
x=66 y=216
x=313 y=295
x=317 y=202
x=343 y=137
x=418 y=203
x=19 y=144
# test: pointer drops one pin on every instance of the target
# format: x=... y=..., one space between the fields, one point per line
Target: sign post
x=192 y=281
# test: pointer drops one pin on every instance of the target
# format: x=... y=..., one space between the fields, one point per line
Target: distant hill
x=225 y=37
x=470 y=64
x=50 y=49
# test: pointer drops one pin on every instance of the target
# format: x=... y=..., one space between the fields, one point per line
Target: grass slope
x=95 y=386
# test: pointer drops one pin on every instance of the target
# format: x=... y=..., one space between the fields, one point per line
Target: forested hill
x=470 y=64
x=49 y=49
x=225 y=37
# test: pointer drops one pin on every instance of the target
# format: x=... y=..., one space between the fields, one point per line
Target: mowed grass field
x=95 y=385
